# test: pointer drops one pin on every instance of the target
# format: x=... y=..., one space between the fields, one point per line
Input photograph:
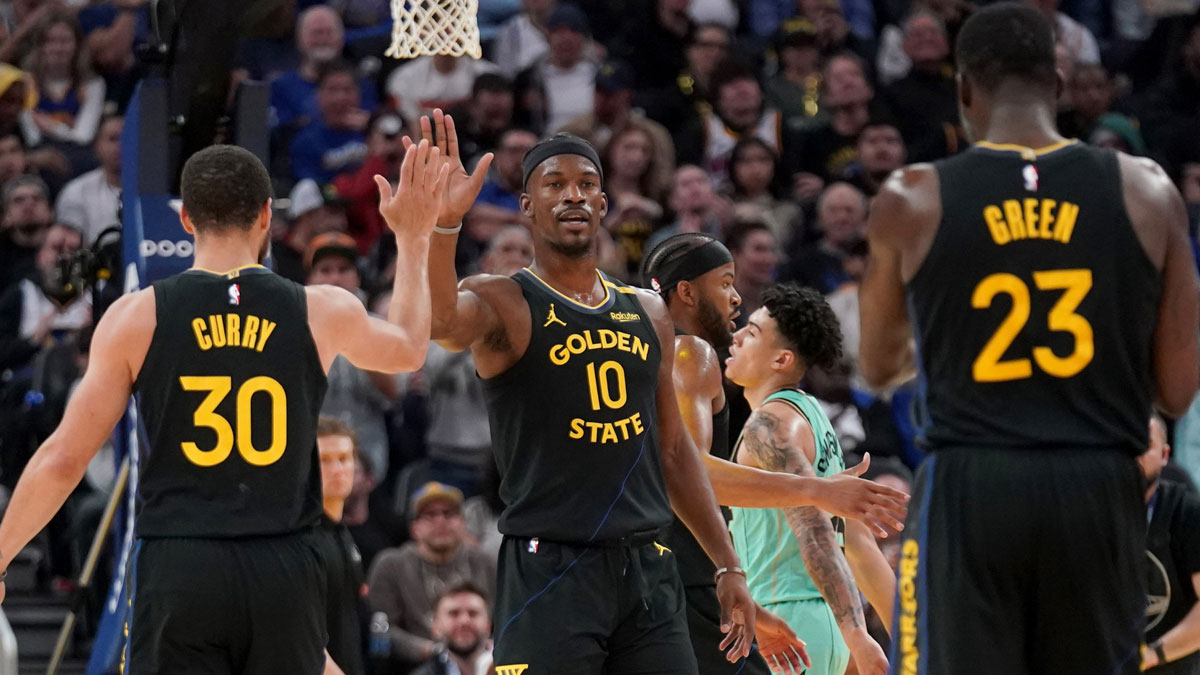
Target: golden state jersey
x=1035 y=309
x=574 y=422
x=230 y=392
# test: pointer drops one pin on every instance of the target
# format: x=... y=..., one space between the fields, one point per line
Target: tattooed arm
x=778 y=438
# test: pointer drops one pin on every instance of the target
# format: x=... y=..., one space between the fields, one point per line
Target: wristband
x=722 y=571
x=447 y=230
x=1159 y=652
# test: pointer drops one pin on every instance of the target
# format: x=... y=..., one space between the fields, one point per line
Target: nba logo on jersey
x=533 y=545
x=235 y=294
x=1030 y=174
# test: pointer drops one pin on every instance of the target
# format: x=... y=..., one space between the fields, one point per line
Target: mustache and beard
x=715 y=324
x=464 y=649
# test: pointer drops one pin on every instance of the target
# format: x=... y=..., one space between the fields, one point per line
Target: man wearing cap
x=796 y=88
x=694 y=273
x=564 y=78
x=587 y=436
x=405 y=582
x=359 y=397
x=312 y=210
x=612 y=111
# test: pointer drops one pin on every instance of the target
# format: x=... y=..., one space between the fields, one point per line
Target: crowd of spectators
x=767 y=123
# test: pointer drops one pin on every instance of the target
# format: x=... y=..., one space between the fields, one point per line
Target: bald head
x=319 y=34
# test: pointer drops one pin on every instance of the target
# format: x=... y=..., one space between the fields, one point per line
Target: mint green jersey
x=764 y=541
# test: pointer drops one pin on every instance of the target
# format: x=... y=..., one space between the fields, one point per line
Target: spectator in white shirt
x=438 y=81
x=1073 y=36
x=521 y=40
x=91 y=201
x=563 y=83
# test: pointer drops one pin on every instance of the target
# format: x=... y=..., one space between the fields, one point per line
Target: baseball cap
x=570 y=16
x=614 y=76
x=796 y=32
x=10 y=74
x=387 y=123
x=330 y=243
x=433 y=491
x=307 y=196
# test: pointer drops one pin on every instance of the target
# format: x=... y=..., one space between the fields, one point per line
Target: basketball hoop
x=434 y=27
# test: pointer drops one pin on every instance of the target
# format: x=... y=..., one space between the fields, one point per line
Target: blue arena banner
x=155 y=246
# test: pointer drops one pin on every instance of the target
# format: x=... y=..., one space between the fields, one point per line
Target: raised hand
x=737 y=616
x=413 y=209
x=783 y=651
x=461 y=188
x=879 y=507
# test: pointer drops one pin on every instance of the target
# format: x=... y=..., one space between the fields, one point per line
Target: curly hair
x=806 y=322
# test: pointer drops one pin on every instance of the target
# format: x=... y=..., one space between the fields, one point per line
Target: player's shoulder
x=695 y=359
x=491 y=285
x=126 y=329
x=1143 y=179
x=324 y=299
x=132 y=311
x=502 y=293
x=781 y=415
x=909 y=198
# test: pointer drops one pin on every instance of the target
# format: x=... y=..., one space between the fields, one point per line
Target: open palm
x=460 y=188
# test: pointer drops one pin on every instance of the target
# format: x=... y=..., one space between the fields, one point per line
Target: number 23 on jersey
x=991 y=366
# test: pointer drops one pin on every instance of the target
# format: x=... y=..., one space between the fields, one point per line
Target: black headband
x=694 y=263
x=562 y=144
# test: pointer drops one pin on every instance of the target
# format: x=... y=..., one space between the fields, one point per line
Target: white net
x=434 y=27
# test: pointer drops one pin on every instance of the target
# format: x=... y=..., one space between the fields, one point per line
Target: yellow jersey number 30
x=206 y=416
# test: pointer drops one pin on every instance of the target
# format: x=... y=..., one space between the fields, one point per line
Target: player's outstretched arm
x=697 y=379
x=118 y=347
x=460 y=316
x=778 y=438
x=341 y=323
x=906 y=200
x=692 y=496
x=871 y=570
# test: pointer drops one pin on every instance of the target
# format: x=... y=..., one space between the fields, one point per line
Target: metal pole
x=85 y=576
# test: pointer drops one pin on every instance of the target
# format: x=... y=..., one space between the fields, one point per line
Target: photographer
x=39 y=319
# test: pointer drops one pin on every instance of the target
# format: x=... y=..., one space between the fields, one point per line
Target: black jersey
x=230 y=389
x=574 y=422
x=344 y=605
x=1035 y=309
